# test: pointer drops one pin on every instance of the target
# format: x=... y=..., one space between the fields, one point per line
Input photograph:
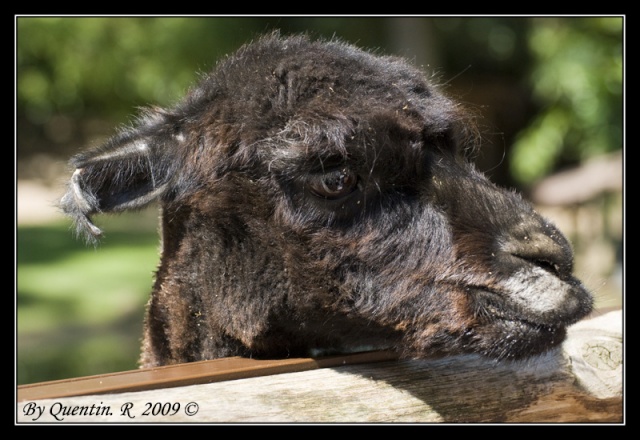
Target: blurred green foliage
x=577 y=82
x=91 y=64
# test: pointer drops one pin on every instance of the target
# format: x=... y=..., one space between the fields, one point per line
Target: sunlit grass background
x=80 y=309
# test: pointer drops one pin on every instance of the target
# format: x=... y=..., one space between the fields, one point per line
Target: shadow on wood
x=581 y=382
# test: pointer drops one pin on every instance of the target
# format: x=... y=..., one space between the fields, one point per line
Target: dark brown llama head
x=316 y=198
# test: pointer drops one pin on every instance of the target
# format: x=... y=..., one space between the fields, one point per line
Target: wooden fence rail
x=581 y=382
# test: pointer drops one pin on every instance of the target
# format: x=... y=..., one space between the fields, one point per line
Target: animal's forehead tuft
x=276 y=97
x=302 y=68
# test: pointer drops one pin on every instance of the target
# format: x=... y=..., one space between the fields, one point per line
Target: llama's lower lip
x=507 y=334
x=527 y=325
x=521 y=338
x=495 y=308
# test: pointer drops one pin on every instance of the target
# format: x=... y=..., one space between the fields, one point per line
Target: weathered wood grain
x=581 y=382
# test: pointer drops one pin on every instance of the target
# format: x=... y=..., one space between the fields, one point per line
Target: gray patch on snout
x=538 y=291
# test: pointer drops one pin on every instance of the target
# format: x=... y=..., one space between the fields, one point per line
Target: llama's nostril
x=543 y=251
x=556 y=259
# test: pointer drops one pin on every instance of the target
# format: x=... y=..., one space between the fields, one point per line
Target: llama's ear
x=131 y=170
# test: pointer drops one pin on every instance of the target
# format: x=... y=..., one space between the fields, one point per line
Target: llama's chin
x=508 y=339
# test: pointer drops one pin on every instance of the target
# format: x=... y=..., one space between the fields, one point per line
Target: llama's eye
x=334 y=184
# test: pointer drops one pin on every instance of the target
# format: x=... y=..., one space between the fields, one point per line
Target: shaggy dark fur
x=316 y=198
